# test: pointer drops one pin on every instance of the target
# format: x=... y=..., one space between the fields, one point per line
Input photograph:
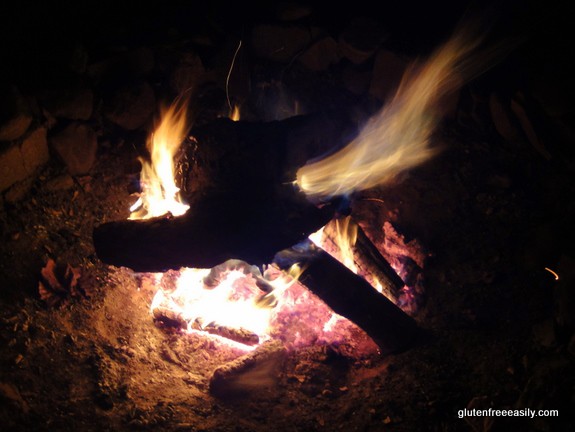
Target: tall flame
x=397 y=137
x=160 y=195
x=345 y=238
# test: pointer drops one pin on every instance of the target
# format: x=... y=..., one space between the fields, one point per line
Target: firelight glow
x=341 y=245
x=397 y=138
x=232 y=303
x=236 y=304
x=160 y=195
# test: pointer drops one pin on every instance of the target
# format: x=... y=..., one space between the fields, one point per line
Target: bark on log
x=351 y=296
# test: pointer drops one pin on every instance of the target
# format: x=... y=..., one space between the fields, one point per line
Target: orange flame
x=397 y=137
x=342 y=238
x=235 y=113
x=346 y=236
x=160 y=195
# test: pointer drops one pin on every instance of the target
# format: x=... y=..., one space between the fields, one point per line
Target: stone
x=320 y=55
x=136 y=63
x=71 y=100
x=290 y=11
x=131 y=105
x=281 y=43
x=15 y=116
x=62 y=182
x=356 y=79
x=388 y=69
x=544 y=333
x=21 y=160
x=34 y=149
x=11 y=167
x=361 y=39
x=188 y=74
x=18 y=191
x=76 y=145
x=518 y=106
x=503 y=119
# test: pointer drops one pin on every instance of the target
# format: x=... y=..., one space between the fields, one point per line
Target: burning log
x=169 y=317
x=366 y=256
x=240 y=335
x=238 y=179
x=351 y=296
x=207 y=236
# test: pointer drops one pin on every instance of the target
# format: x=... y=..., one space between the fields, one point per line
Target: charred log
x=237 y=178
x=208 y=236
x=351 y=296
x=218 y=272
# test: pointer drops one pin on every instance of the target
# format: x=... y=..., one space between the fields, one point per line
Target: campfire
x=285 y=217
x=238 y=303
x=230 y=209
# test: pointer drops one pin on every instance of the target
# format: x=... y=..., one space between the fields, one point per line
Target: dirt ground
x=492 y=216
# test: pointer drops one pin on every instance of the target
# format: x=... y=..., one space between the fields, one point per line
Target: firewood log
x=351 y=296
x=238 y=179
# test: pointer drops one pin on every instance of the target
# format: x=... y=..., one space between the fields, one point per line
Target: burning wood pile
x=273 y=253
x=256 y=192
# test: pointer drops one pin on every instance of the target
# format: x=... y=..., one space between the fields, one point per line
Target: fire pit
x=326 y=252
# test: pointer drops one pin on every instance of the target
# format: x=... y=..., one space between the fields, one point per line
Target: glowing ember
x=233 y=304
x=249 y=317
x=553 y=273
x=160 y=195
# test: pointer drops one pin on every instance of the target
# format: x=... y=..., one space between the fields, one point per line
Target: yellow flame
x=318 y=237
x=220 y=305
x=377 y=285
x=397 y=137
x=343 y=237
x=160 y=195
x=235 y=113
x=346 y=236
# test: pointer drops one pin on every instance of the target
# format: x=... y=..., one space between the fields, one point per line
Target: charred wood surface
x=238 y=179
x=351 y=296
x=206 y=237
